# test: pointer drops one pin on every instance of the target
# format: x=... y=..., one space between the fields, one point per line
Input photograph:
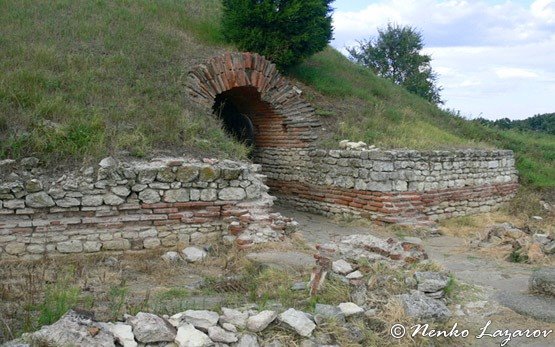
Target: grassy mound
x=86 y=78
x=83 y=79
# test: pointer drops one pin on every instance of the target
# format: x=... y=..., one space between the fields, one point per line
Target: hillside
x=84 y=79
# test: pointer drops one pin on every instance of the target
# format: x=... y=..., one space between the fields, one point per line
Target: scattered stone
x=218 y=334
x=188 y=336
x=418 y=305
x=323 y=312
x=261 y=320
x=543 y=281
x=299 y=286
x=229 y=327
x=370 y=313
x=71 y=330
x=108 y=163
x=171 y=256
x=149 y=328
x=235 y=317
x=354 y=332
x=350 y=309
x=341 y=267
x=194 y=254
x=365 y=246
x=202 y=319
x=247 y=340
x=298 y=321
x=430 y=282
x=123 y=334
x=538 y=218
x=510 y=240
x=355 y=275
x=541 y=238
x=359 y=295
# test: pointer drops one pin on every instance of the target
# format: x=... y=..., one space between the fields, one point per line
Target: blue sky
x=494 y=58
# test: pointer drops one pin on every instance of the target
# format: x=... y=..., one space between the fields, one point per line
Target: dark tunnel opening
x=235 y=122
x=239 y=109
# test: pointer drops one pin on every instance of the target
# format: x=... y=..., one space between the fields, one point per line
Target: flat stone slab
x=294 y=260
x=540 y=307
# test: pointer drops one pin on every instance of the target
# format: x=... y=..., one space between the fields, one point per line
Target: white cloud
x=492 y=59
x=513 y=72
x=545 y=10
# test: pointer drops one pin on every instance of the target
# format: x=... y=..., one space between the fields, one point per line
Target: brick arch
x=281 y=117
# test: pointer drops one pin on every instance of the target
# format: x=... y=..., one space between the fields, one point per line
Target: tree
x=395 y=55
x=284 y=31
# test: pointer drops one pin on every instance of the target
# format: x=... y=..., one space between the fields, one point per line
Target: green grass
x=84 y=79
x=58 y=299
x=87 y=78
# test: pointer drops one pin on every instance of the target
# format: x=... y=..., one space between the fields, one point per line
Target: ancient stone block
x=39 y=200
x=149 y=196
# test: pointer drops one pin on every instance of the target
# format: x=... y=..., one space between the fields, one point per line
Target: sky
x=494 y=59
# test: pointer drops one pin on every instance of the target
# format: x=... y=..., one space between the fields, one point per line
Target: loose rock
x=350 y=309
x=298 y=321
x=218 y=334
x=188 y=336
x=194 y=254
x=149 y=328
x=429 y=282
x=201 y=319
x=260 y=321
x=418 y=305
x=235 y=317
x=341 y=267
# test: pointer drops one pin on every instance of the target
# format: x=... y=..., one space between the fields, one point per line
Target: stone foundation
x=391 y=186
x=122 y=206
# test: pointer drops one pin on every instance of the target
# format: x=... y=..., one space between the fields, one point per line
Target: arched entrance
x=260 y=108
x=256 y=104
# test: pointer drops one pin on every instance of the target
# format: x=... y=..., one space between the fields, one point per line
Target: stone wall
x=121 y=206
x=391 y=186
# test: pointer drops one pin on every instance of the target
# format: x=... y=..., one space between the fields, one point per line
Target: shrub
x=285 y=32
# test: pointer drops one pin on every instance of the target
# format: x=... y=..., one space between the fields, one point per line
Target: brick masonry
x=387 y=186
x=132 y=206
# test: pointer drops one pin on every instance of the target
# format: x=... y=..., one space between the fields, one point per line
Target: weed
x=117 y=297
x=58 y=300
x=518 y=256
